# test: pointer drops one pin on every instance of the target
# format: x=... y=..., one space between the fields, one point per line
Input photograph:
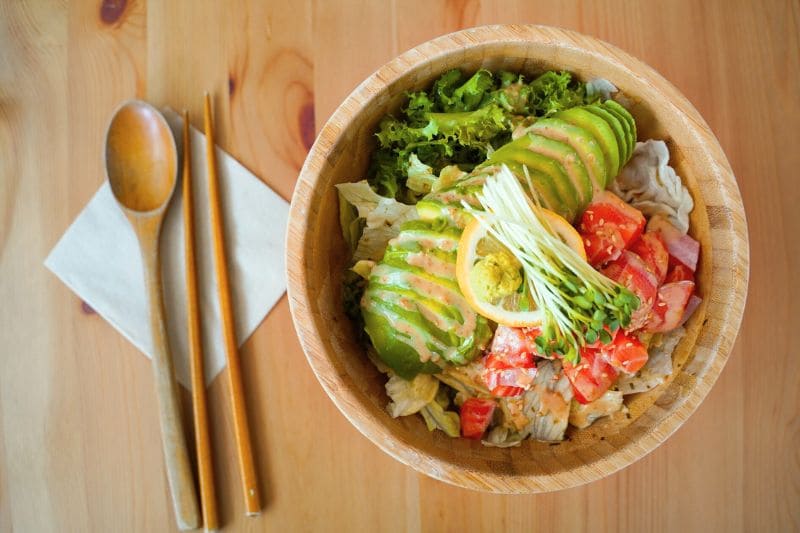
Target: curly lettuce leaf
x=470 y=128
x=460 y=120
x=554 y=91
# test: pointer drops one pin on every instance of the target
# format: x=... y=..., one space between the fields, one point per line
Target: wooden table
x=79 y=441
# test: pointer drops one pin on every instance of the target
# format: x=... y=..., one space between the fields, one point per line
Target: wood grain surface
x=79 y=436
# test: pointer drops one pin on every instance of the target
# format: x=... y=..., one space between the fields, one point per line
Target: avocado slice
x=602 y=132
x=413 y=309
x=625 y=115
x=626 y=126
x=582 y=141
x=620 y=130
x=547 y=181
x=446 y=203
x=399 y=356
x=566 y=168
x=563 y=154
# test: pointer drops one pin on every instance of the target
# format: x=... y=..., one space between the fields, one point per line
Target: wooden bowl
x=316 y=258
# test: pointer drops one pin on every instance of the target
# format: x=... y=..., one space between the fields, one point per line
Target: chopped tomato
x=508 y=377
x=608 y=208
x=476 y=414
x=511 y=370
x=651 y=249
x=515 y=346
x=679 y=273
x=607 y=226
x=683 y=250
x=591 y=377
x=670 y=305
x=498 y=361
x=603 y=245
x=625 y=353
x=631 y=272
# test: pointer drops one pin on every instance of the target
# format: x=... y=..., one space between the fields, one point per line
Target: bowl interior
x=317 y=259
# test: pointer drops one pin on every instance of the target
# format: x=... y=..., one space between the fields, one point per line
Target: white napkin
x=98 y=258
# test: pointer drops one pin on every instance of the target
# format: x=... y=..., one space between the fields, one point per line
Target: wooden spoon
x=141 y=165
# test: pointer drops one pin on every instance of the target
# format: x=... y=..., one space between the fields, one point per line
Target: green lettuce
x=462 y=119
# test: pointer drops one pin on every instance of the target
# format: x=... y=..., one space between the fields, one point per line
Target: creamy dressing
x=442 y=242
x=438 y=292
x=417 y=338
x=551 y=402
x=432 y=264
x=569 y=163
x=439 y=320
x=559 y=135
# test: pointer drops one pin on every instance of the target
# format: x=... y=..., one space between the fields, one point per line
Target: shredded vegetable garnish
x=579 y=304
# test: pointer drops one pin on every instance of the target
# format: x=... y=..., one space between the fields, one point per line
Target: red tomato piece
x=609 y=209
x=494 y=361
x=515 y=346
x=607 y=226
x=679 y=272
x=507 y=377
x=683 y=249
x=670 y=304
x=625 y=353
x=651 y=249
x=591 y=377
x=631 y=272
x=476 y=415
x=603 y=246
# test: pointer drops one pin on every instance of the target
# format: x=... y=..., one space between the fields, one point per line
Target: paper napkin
x=98 y=258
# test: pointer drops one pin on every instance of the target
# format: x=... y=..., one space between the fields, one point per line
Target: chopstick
x=252 y=498
x=202 y=442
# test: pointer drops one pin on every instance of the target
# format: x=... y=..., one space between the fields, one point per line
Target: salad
x=520 y=263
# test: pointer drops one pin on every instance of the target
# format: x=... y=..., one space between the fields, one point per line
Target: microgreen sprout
x=579 y=304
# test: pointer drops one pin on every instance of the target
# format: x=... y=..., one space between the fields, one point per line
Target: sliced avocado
x=397 y=354
x=519 y=151
x=626 y=126
x=405 y=275
x=446 y=203
x=602 y=132
x=413 y=308
x=582 y=141
x=625 y=115
x=544 y=179
x=619 y=126
x=568 y=158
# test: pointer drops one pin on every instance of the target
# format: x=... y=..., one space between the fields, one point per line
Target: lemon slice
x=516 y=310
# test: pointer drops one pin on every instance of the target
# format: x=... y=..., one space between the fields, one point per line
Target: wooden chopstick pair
x=235 y=389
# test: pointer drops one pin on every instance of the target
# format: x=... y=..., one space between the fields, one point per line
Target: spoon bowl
x=141 y=157
x=141 y=165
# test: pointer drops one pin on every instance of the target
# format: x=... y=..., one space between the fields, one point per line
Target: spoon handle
x=176 y=457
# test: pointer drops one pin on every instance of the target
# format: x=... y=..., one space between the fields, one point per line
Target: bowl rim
x=729 y=235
